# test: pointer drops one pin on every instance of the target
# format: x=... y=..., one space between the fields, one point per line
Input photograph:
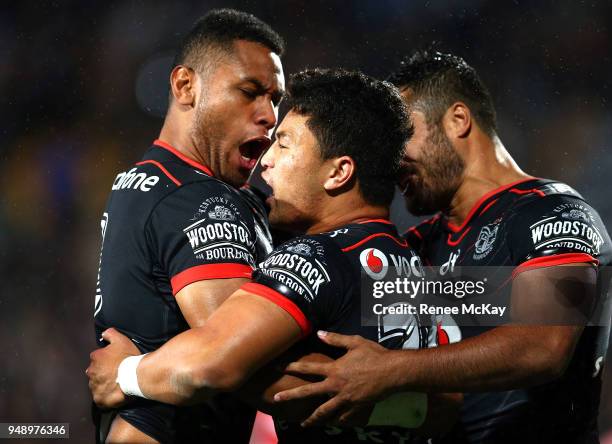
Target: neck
x=488 y=166
x=338 y=214
x=173 y=133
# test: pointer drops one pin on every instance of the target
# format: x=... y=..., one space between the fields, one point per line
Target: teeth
x=245 y=158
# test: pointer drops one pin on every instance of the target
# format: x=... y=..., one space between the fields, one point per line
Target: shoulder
x=555 y=217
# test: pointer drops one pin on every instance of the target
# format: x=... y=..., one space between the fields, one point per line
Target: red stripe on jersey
x=480 y=201
x=455 y=243
x=532 y=190
x=415 y=231
x=489 y=205
x=381 y=221
x=402 y=243
x=556 y=259
x=181 y=156
x=282 y=301
x=431 y=220
x=164 y=170
x=209 y=271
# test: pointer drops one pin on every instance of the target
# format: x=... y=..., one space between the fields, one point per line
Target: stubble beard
x=438 y=177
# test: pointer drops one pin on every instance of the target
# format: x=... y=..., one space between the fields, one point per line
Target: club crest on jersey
x=301 y=249
x=485 y=241
x=374 y=262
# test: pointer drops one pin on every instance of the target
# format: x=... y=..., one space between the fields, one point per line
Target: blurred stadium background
x=84 y=90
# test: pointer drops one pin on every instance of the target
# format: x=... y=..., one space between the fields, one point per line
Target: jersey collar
x=187 y=160
x=487 y=199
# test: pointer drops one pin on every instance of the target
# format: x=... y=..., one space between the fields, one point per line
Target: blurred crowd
x=84 y=91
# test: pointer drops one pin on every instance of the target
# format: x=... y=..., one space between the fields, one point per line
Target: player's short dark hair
x=355 y=115
x=439 y=80
x=218 y=29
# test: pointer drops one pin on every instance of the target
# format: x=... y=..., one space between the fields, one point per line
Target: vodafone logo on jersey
x=374 y=262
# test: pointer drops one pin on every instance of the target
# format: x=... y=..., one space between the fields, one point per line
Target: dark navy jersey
x=533 y=222
x=169 y=223
x=317 y=279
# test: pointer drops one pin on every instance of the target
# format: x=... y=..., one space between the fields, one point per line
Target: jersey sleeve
x=309 y=278
x=556 y=230
x=202 y=231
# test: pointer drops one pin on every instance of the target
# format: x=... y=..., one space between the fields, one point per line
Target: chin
x=419 y=207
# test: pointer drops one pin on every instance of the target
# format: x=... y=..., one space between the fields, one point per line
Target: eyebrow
x=277 y=96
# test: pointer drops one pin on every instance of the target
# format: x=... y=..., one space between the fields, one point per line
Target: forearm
x=244 y=334
x=173 y=374
x=500 y=359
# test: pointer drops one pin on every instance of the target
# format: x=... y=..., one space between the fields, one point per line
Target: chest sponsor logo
x=571 y=232
x=131 y=180
x=449 y=265
x=337 y=232
x=485 y=241
x=376 y=264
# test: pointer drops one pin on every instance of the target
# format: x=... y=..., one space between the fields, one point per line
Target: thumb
x=111 y=335
x=338 y=340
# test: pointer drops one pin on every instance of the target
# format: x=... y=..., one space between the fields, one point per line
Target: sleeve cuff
x=283 y=302
x=209 y=271
x=556 y=259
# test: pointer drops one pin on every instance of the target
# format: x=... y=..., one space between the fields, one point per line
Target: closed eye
x=248 y=93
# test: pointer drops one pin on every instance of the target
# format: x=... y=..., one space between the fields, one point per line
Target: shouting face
x=237 y=110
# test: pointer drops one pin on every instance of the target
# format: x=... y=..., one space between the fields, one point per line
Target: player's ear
x=457 y=120
x=341 y=172
x=182 y=85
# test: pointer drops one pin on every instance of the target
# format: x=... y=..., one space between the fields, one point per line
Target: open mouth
x=252 y=149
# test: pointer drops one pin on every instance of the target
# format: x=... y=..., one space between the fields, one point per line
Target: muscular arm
x=500 y=359
x=552 y=304
x=199 y=300
x=246 y=332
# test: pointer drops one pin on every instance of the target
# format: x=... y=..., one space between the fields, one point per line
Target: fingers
x=309 y=368
x=110 y=335
x=324 y=413
x=304 y=391
x=350 y=417
x=338 y=340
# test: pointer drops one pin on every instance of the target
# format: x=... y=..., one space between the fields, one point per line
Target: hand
x=355 y=379
x=103 y=365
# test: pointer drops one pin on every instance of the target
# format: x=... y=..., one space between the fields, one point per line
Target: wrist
x=398 y=370
x=127 y=376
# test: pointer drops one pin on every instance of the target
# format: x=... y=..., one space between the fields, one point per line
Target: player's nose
x=267 y=115
x=267 y=160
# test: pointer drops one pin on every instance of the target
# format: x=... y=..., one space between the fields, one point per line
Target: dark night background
x=83 y=93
